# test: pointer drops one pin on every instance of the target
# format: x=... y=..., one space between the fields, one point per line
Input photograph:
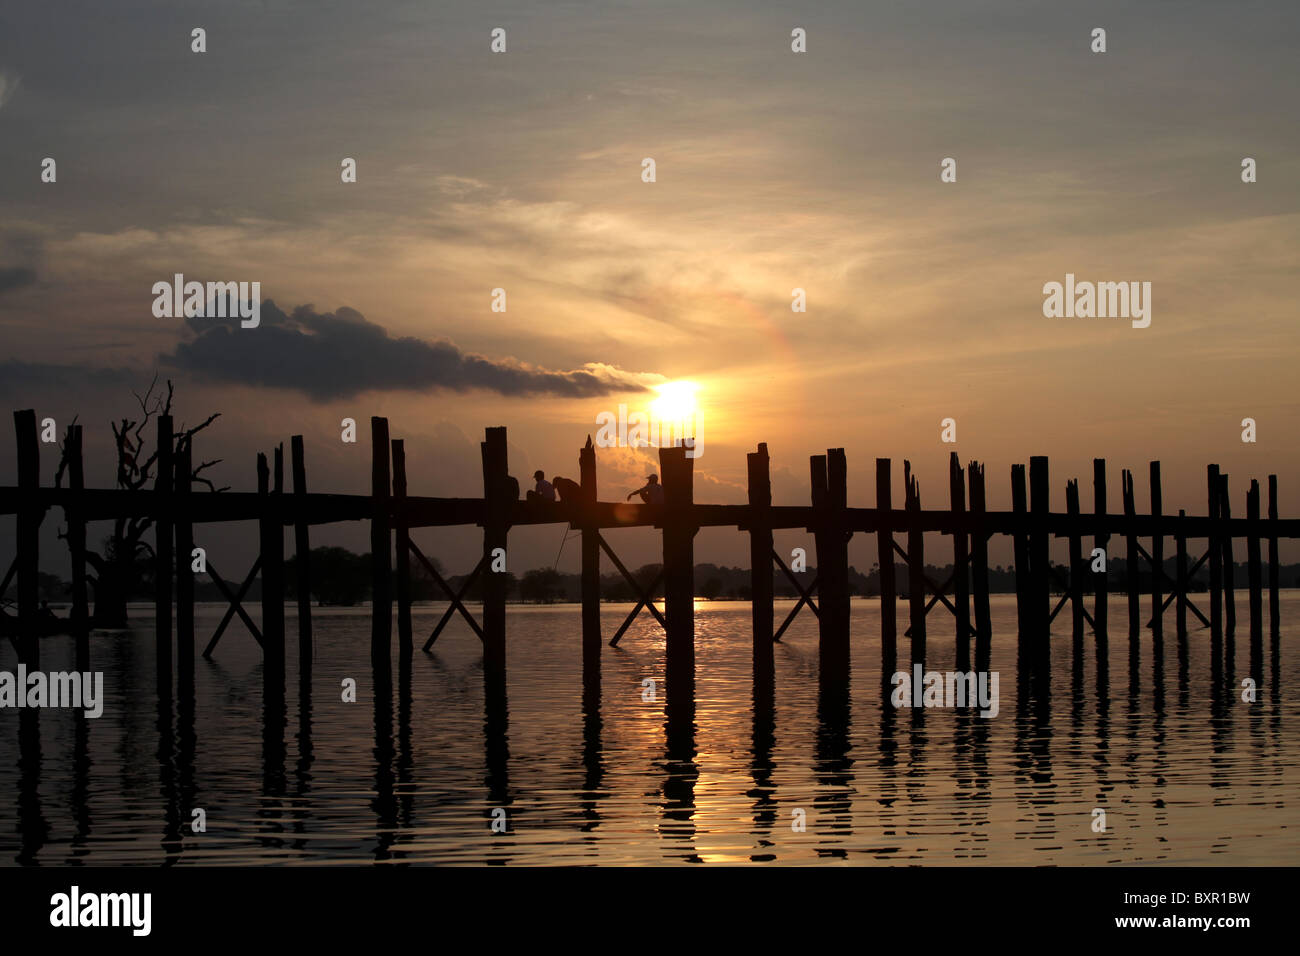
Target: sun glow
x=676 y=402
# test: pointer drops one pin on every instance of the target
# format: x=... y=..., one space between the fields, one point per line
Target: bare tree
x=127 y=561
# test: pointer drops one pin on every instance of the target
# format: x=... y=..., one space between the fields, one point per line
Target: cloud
x=339 y=354
x=19 y=379
x=15 y=278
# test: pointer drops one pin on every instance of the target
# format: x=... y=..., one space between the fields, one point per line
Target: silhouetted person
x=652 y=493
x=544 y=490
x=567 y=489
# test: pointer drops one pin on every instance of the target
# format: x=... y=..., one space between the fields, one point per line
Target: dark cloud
x=19 y=378
x=15 y=278
x=340 y=354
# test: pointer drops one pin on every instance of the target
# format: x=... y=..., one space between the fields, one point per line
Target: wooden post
x=496 y=532
x=832 y=564
x=820 y=496
x=163 y=552
x=184 y=571
x=76 y=519
x=271 y=538
x=980 y=568
x=1180 y=543
x=402 y=536
x=302 y=557
x=591 y=563
x=1131 y=559
x=837 y=484
x=677 y=472
x=760 y=558
x=1020 y=551
x=1100 y=539
x=1229 y=575
x=27 y=542
x=1076 y=567
x=885 y=555
x=915 y=564
x=960 y=561
x=1157 y=561
x=277 y=545
x=1255 y=572
x=1274 y=614
x=1040 y=559
x=381 y=597
x=1216 y=554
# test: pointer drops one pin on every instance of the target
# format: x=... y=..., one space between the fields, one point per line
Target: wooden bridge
x=393 y=515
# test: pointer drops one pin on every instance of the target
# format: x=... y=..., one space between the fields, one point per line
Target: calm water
x=1184 y=774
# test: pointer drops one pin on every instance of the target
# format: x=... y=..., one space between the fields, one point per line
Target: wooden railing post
x=678 y=476
x=591 y=639
x=1076 y=568
x=1131 y=559
x=1157 y=562
x=1274 y=573
x=760 y=558
x=1040 y=560
x=27 y=557
x=980 y=567
x=1020 y=555
x=496 y=531
x=1255 y=573
x=915 y=564
x=885 y=555
x=1216 y=554
x=402 y=536
x=184 y=571
x=960 y=561
x=271 y=537
x=381 y=569
x=1100 y=539
x=1229 y=569
x=163 y=558
x=301 y=557
x=1180 y=610
x=76 y=518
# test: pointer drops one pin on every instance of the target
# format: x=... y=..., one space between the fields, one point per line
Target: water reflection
x=762 y=766
x=833 y=800
x=680 y=772
x=591 y=773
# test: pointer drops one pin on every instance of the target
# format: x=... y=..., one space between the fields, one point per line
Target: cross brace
x=456 y=597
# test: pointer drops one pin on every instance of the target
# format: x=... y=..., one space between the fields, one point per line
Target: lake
x=1185 y=773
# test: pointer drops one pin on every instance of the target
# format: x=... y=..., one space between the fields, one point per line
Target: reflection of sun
x=676 y=402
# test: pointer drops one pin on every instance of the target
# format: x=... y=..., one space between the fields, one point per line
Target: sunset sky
x=775 y=170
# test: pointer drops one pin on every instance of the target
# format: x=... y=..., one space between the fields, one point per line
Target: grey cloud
x=339 y=354
x=20 y=378
x=15 y=278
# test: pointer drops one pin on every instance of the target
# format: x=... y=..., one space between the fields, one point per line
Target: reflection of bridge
x=392 y=513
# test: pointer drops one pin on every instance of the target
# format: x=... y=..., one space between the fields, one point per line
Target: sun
x=676 y=402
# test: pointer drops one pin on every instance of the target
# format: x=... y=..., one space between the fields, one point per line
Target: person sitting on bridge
x=652 y=493
x=544 y=491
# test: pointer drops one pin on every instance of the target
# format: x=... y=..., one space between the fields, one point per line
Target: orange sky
x=774 y=171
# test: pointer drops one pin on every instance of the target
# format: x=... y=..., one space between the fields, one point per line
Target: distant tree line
x=342 y=578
